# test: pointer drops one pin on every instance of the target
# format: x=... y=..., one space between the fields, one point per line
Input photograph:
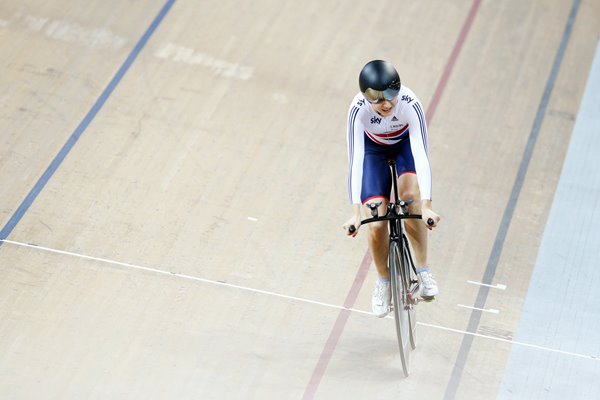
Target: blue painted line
x=89 y=117
x=496 y=252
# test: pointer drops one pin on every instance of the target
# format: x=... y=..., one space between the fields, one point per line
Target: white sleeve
x=419 y=146
x=356 y=153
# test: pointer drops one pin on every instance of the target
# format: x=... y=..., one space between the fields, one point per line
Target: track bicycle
x=403 y=274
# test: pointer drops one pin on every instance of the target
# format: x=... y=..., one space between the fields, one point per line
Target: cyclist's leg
x=415 y=229
x=379 y=238
x=408 y=188
x=375 y=189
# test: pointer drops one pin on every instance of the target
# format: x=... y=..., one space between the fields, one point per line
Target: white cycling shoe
x=382 y=298
x=429 y=288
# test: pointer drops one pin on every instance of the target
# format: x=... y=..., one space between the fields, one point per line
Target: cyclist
x=386 y=121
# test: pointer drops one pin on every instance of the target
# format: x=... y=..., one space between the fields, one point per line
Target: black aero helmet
x=379 y=81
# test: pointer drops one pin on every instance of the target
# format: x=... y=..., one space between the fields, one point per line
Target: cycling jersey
x=373 y=139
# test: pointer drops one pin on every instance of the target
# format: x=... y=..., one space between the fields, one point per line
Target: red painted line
x=452 y=60
x=340 y=322
x=338 y=328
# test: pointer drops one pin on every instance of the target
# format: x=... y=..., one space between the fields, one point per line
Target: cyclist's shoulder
x=409 y=105
x=407 y=96
x=359 y=104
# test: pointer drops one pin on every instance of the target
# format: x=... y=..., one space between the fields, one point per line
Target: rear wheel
x=401 y=305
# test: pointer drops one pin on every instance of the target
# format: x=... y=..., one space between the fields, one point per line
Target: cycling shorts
x=376 y=178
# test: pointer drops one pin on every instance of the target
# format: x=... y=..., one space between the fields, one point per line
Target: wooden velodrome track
x=173 y=184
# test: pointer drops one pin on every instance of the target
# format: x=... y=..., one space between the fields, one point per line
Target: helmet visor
x=378 y=96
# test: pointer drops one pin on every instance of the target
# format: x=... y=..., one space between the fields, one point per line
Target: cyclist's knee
x=413 y=196
x=409 y=188
x=408 y=195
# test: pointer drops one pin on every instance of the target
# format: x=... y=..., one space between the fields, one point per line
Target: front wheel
x=412 y=292
x=401 y=304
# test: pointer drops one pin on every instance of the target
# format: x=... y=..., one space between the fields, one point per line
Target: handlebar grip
x=430 y=222
x=352 y=229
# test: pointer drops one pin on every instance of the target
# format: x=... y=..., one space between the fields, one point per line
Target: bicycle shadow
x=368 y=358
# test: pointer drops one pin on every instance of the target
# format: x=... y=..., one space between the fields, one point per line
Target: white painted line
x=252 y=219
x=138 y=267
x=498 y=286
x=178 y=275
x=512 y=342
x=490 y=310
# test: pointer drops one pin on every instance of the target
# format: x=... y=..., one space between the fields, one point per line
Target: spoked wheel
x=412 y=293
x=402 y=306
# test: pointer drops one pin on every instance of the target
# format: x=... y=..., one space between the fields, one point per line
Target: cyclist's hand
x=430 y=218
x=353 y=222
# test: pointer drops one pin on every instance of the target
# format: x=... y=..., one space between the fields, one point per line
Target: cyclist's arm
x=351 y=226
x=356 y=151
x=419 y=147
x=356 y=214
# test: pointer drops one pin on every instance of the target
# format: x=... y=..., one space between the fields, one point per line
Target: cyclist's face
x=386 y=107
